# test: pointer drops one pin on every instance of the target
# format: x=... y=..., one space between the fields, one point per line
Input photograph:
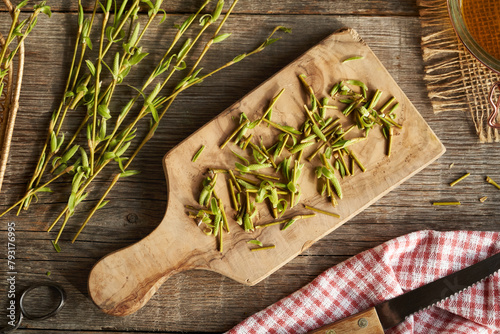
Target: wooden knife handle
x=365 y=322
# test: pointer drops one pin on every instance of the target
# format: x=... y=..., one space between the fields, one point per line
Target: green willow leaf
x=80 y=199
x=129 y=173
x=185 y=48
x=103 y=110
x=91 y=67
x=56 y=246
x=116 y=65
x=46 y=10
x=217 y=11
x=164 y=17
x=352 y=58
x=239 y=58
x=60 y=141
x=220 y=38
x=241 y=167
x=72 y=202
x=81 y=15
x=205 y=19
x=122 y=149
x=22 y=4
x=102 y=205
x=70 y=153
x=133 y=39
x=85 y=159
x=44 y=190
x=109 y=156
x=102 y=129
x=137 y=57
x=255 y=242
x=181 y=66
x=182 y=28
x=53 y=142
x=149 y=3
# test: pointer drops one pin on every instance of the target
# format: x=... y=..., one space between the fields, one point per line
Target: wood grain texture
x=272 y=7
x=202 y=301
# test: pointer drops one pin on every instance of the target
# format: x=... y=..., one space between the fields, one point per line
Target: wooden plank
x=273 y=7
x=201 y=301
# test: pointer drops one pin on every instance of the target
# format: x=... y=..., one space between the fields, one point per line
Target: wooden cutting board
x=122 y=282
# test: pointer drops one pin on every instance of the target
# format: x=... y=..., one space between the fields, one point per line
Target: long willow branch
x=126 y=56
x=58 y=119
x=144 y=110
x=43 y=160
x=239 y=58
x=33 y=191
x=211 y=41
x=151 y=77
x=97 y=86
x=150 y=134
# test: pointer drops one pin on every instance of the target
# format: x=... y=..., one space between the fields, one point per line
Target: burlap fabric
x=456 y=81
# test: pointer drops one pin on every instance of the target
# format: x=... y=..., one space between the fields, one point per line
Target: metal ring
x=55 y=287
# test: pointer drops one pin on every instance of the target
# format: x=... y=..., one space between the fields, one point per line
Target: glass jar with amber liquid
x=477 y=24
x=482 y=19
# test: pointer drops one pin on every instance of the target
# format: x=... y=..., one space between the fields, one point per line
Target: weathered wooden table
x=201 y=301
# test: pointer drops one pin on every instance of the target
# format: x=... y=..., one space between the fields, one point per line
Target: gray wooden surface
x=199 y=301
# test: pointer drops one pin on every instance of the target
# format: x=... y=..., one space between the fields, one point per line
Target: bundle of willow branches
x=91 y=85
x=10 y=91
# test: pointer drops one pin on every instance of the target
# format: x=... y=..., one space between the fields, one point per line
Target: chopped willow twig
x=321 y=211
x=198 y=153
x=459 y=179
x=231 y=136
x=262 y=248
x=255 y=242
x=318 y=129
x=446 y=203
x=490 y=181
x=352 y=58
x=270 y=224
x=295 y=218
x=390 y=135
x=355 y=159
x=271 y=105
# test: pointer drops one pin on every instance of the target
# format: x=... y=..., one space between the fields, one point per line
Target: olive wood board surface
x=123 y=281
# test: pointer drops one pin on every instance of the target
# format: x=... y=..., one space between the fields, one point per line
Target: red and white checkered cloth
x=389 y=270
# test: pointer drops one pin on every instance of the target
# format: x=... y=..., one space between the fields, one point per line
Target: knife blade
x=394 y=311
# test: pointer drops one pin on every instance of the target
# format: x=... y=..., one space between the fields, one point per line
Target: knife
x=393 y=311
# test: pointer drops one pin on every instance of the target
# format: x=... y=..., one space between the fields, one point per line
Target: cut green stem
x=322 y=211
x=446 y=203
x=262 y=248
x=459 y=179
x=490 y=180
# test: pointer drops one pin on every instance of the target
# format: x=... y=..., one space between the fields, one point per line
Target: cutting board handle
x=122 y=282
